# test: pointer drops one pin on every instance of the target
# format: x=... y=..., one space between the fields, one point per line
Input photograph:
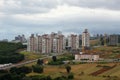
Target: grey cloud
x=107 y=4
x=11 y=26
x=44 y=6
x=28 y=6
x=73 y=24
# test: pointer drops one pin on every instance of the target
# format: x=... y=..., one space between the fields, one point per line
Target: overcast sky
x=68 y=16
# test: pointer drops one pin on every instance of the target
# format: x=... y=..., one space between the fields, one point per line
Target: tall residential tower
x=85 y=39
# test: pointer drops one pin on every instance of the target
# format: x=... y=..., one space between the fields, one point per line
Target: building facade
x=73 y=41
x=114 y=40
x=47 y=43
x=32 y=44
x=20 y=38
x=88 y=57
x=85 y=39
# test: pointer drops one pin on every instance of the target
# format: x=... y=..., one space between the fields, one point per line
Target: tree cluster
x=8 y=52
x=59 y=61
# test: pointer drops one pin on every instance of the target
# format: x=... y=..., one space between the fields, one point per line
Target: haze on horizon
x=68 y=16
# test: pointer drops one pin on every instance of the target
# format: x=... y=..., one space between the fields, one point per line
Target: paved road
x=27 y=62
x=21 y=64
x=105 y=60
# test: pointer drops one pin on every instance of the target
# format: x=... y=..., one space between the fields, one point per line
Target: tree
x=68 y=68
x=8 y=52
x=13 y=70
x=54 y=58
x=20 y=70
x=24 y=69
x=6 y=76
x=40 y=62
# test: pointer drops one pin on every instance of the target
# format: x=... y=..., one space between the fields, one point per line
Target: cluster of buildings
x=108 y=39
x=47 y=43
x=114 y=40
x=57 y=42
x=20 y=38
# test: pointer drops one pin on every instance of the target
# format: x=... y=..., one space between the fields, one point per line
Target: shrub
x=38 y=68
x=54 y=58
x=70 y=76
x=40 y=77
x=40 y=62
x=20 y=70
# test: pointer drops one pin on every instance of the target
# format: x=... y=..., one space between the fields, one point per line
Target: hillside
x=8 y=52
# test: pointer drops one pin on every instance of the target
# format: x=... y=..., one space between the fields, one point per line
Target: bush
x=25 y=70
x=5 y=76
x=13 y=70
x=54 y=58
x=3 y=71
x=70 y=76
x=40 y=77
x=40 y=62
x=38 y=68
x=20 y=70
x=55 y=63
x=60 y=78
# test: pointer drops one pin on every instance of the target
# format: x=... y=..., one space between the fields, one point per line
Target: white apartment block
x=85 y=38
x=55 y=42
x=46 y=44
x=73 y=41
x=32 y=43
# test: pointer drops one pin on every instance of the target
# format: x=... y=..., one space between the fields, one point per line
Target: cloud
x=44 y=6
x=105 y=4
x=27 y=6
x=68 y=16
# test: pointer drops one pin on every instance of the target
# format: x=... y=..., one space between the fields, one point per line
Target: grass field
x=31 y=56
x=113 y=72
x=55 y=71
x=108 y=52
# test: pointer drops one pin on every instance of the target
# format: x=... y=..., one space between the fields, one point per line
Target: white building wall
x=28 y=44
x=43 y=45
x=77 y=42
x=90 y=57
x=85 y=39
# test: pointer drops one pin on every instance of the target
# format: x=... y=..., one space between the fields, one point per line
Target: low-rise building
x=89 y=57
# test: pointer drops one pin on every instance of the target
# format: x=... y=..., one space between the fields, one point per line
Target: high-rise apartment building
x=114 y=40
x=85 y=39
x=19 y=38
x=73 y=41
x=32 y=44
x=58 y=42
x=46 y=43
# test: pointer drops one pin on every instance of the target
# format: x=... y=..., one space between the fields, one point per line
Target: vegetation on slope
x=9 y=54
